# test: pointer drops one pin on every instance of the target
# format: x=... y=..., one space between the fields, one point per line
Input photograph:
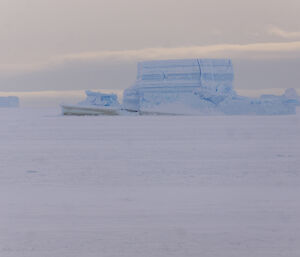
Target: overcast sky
x=79 y=44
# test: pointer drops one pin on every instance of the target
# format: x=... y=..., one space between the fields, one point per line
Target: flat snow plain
x=148 y=186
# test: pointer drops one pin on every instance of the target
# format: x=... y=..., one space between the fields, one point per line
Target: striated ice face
x=184 y=75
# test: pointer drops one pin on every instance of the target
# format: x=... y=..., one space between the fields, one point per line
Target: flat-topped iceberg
x=198 y=86
x=170 y=82
x=9 y=101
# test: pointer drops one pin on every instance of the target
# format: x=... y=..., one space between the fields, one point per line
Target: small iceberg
x=9 y=102
x=100 y=99
x=96 y=103
x=185 y=87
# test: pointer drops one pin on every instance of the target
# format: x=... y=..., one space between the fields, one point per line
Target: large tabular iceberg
x=197 y=86
x=9 y=101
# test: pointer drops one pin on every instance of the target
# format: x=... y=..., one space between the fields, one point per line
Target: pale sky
x=80 y=44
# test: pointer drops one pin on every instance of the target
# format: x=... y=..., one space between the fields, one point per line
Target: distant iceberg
x=186 y=87
x=9 y=101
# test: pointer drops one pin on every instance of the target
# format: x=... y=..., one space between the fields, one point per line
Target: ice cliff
x=9 y=101
x=198 y=86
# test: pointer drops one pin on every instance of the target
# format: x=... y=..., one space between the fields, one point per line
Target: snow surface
x=9 y=101
x=148 y=185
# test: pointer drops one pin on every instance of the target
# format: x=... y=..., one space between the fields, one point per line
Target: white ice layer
x=198 y=86
x=9 y=101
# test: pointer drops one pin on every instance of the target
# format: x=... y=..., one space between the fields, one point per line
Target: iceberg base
x=80 y=110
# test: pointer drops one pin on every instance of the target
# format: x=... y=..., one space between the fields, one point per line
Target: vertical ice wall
x=216 y=80
x=216 y=72
x=168 y=81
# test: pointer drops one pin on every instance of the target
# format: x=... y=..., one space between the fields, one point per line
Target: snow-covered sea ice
x=148 y=186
